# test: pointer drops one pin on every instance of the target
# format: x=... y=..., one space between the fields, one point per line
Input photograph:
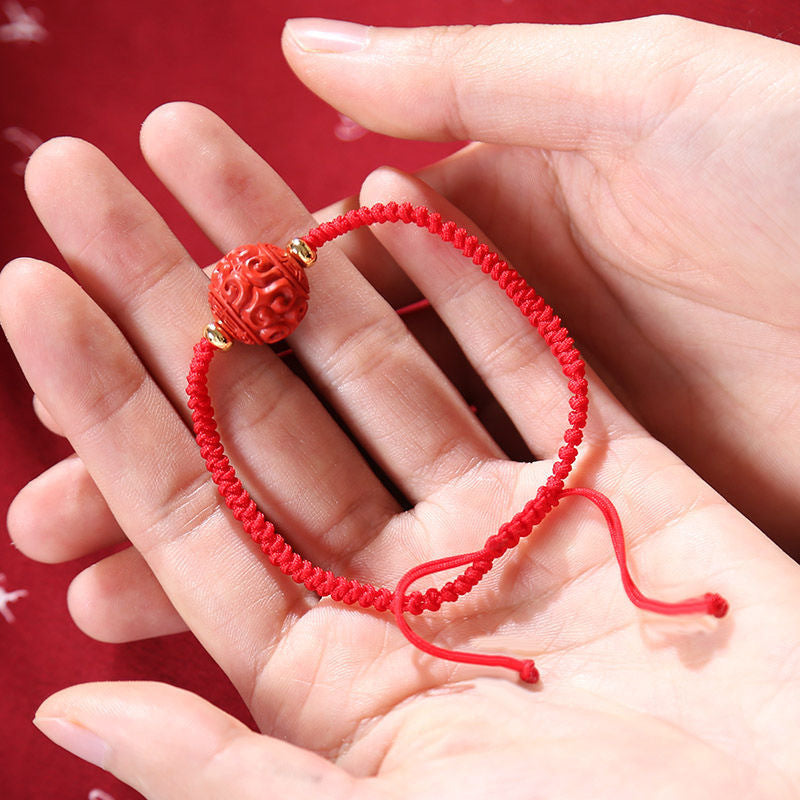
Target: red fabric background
x=94 y=69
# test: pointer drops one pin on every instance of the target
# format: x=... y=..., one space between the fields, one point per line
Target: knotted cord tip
x=717 y=605
x=528 y=671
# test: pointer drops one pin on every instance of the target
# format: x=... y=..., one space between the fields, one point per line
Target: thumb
x=551 y=86
x=170 y=744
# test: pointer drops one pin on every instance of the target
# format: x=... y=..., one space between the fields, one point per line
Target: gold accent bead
x=302 y=250
x=217 y=337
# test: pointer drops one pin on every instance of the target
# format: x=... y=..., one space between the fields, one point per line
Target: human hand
x=643 y=176
x=346 y=707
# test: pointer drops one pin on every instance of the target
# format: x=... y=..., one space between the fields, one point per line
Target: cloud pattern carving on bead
x=258 y=294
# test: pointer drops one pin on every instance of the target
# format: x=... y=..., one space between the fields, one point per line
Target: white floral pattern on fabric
x=6 y=598
x=26 y=141
x=99 y=794
x=347 y=130
x=24 y=24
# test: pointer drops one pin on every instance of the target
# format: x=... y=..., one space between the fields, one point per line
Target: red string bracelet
x=259 y=294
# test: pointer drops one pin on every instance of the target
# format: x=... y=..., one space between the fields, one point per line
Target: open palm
x=643 y=175
x=345 y=705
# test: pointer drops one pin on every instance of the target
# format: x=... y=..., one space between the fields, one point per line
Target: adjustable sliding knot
x=259 y=294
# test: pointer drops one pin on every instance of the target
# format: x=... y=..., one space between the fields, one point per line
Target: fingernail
x=78 y=740
x=317 y=35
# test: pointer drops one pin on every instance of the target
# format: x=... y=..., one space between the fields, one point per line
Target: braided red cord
x=346 y=590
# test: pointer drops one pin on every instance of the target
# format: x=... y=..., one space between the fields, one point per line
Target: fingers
x=121 y=251
x=372 y=260
x=541 y=85
x=119 y=599
x=129 y=262
x=356 y=350
x=45 y=417
x=508 y=354
x=170 y=744
x=145 y=462
x=61 y=515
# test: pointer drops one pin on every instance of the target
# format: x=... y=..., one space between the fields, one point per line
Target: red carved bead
x=258 y=294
